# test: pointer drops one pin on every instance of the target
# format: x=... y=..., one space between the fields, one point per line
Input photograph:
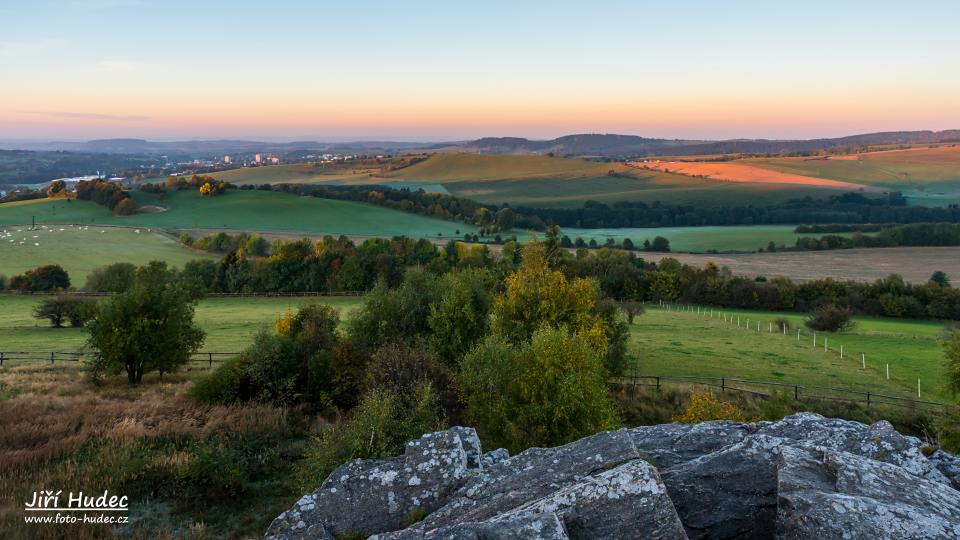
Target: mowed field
x=915 y=264
x=241 y=210
x=538 y=181
x=80 y=249
x=561 y=182
x=745 y=173
x=926 y=175
x=664 y=342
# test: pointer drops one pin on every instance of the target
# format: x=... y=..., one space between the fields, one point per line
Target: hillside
x=242 y=210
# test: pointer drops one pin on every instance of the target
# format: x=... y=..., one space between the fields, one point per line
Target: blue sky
x=91 y=68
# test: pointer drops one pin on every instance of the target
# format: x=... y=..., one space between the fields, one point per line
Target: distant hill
x=610 y=145
x=586 y=144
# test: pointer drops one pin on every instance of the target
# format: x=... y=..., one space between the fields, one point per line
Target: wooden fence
x=52 y=357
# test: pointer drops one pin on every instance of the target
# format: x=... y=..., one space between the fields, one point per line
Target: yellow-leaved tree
x=537 y=296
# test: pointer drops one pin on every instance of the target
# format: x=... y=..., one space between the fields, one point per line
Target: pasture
x=687 y=343
x=241 y=210
x=230 y=323
x=665 y=343
x=80 y=249
x=744 y=238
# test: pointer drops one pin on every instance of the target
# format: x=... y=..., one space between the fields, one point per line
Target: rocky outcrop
x=805 y=476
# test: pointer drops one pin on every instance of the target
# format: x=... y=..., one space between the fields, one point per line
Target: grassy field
x=700 y=239
x=926 y=175
x=80 y=249
x=241 y=210
x=666 y=343
x=686 y=343
x=529 y=180
x=230 y=323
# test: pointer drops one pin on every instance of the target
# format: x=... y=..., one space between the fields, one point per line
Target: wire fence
x=816 y=340
x=798 y=391
x=312 y=294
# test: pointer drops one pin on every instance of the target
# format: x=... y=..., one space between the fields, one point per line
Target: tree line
x=838 y=209
x=916 y=234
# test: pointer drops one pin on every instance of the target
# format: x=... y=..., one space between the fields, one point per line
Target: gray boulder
x=805 y=476
x=372 y=496
x=828 y=494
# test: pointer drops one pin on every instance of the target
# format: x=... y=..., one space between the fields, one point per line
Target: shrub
x=705 y=406
x=632 y=308
x=125 y=207
x=782 y=324
x=113 y=278
x=379 y=427
x=830 y=318
x=223 y=468
x=546 y=392
x=64 y=308
x=403 y=368
x=51 y=277
x=304 y=362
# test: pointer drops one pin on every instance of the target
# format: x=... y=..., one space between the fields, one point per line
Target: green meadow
x=699 y=239
x=230 y=323
x=263 y=211
x=664 y=342
x=80 y=249
x=687 y=343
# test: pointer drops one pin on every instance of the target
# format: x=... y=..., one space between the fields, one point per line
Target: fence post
x=51 y=357
x=868 y=399
x=210 y=360
x=723 y=384
x=796 y=392
x=1 y=359
x=658 y=382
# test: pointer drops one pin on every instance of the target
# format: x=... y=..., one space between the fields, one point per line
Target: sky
x=442 y=70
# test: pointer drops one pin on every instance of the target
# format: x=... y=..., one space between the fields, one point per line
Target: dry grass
x=60 y=431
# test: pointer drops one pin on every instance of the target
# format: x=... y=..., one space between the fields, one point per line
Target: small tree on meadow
x=830 y=318
x=62 y=308
x=148 y=327
x=632 y=308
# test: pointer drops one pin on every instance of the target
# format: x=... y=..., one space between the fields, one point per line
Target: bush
x=113 y=278
x=223 y=468
x=304 y=362
x=830 y=318
x=782 y=324
x=632 y=308
x=704 y=406
x=65 y=308
x=47 y=278
x=546 y=392
x=403 y=368
x=379 y=427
